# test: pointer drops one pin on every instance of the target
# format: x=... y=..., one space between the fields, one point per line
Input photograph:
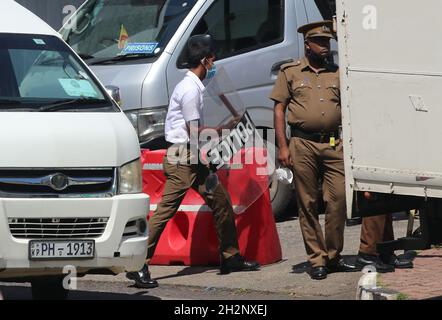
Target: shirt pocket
x=333 y=91
x=301 y=91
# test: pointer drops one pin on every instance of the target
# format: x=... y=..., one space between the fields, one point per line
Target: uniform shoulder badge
x=294 y=63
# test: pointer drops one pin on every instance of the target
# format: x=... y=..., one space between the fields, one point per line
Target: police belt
x=319 y=137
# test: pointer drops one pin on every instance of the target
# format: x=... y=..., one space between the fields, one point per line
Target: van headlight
x=130 y=178
x=148 y=122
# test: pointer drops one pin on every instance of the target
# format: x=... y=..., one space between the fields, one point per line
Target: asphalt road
x=286 y=280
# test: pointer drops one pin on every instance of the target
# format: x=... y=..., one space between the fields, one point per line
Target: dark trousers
x=311 y=161
x=374 y=230
x=180 y=177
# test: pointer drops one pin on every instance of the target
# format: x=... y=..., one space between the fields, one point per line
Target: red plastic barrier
x=190 y=237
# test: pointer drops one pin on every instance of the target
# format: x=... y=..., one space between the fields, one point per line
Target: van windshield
x=106 y=29
x=41 y=73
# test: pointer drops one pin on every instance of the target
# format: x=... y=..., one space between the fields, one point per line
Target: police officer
x=309 y=89
x=374 y=230
x=183 y=172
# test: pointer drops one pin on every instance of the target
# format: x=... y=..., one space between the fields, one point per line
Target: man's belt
x=320 y=137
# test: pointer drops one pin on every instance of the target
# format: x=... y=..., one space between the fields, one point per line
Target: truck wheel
x=49 y=288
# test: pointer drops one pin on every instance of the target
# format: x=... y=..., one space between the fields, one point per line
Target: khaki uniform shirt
x=313 y=99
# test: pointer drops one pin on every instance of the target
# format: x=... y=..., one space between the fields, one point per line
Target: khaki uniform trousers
x=180 y=177
x=310 y=161
x=374 y=230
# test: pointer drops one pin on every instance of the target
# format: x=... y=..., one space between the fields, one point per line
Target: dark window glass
x=241 y=26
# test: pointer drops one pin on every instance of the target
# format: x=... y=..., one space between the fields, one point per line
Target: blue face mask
x=210 y=74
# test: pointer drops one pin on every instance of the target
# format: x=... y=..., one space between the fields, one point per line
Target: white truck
x=70 y=170
x=391 y=111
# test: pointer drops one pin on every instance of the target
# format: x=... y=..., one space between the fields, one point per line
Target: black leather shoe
x=372 y=260
x=237 y=263
x=342 y=266
x=397 y=262
x=142 y=278
x=318 y=273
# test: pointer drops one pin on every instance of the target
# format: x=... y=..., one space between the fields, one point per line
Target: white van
x=70 y=172
x=135 y=48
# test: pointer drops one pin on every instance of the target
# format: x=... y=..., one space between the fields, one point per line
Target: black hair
x=199 y=46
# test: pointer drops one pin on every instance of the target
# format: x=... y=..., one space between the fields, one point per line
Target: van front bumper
x=113 y=252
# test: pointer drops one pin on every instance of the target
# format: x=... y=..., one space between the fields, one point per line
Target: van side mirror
x=114 y=92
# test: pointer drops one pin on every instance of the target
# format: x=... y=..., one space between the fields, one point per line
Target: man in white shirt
x=188 y=93
x=185 y=108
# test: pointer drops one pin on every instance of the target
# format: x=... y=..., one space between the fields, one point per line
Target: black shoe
x=318 y=273
x=342 y=266
x=372 y=260
x=398 y=262
x=237 y=263
x=142 y=278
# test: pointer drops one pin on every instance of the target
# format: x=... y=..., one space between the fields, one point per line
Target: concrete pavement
x=286 y=279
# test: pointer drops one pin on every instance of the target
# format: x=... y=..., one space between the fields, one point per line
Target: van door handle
x=277 y=65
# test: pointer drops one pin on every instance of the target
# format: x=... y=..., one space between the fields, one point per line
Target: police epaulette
x=291 y=64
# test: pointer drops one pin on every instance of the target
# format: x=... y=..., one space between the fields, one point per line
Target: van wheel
x=280 y=196
x=49 y=288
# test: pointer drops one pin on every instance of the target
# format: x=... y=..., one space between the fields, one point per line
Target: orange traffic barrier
x=190 y=237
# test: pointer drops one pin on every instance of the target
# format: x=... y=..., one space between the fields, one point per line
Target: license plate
x=61 y=249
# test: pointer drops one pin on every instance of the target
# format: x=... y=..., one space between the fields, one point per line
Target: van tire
x=49 y=288
x=280 y=196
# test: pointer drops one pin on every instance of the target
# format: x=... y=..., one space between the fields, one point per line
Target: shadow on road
x=188 y=271
x=303 y=267
x=285 y=218
x=24 y=293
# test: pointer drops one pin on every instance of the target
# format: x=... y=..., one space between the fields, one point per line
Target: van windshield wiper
x=85 y=56
x=68 y=104
x=10 y=104
x=123 y=57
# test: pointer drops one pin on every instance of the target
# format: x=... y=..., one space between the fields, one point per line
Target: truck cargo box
x=391 y=75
